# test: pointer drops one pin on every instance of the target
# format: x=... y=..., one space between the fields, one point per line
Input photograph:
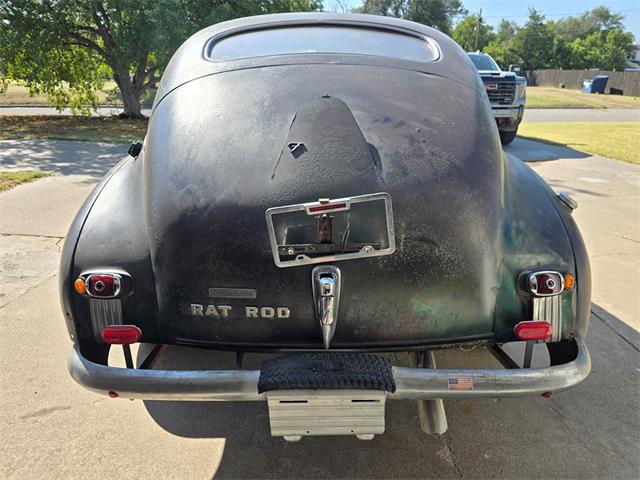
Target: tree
x=507 y=29
x=502 y=53
x=561 y=54
x=65 y=47
x=501 y=46
x=387 y=8
x=600 y=19
x=534 y=42
x=434 y=13
x=605 y=51
x=473 y=33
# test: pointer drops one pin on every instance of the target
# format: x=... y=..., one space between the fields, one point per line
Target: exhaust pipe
x=433 y=418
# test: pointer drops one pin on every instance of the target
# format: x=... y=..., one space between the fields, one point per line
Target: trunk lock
x=326 y=296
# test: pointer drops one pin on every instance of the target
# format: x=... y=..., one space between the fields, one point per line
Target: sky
x=494 y=10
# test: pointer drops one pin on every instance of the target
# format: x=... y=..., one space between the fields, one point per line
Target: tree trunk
x=130 y=98
x=130 y=95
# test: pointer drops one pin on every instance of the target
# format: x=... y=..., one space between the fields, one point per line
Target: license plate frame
x=381 y=240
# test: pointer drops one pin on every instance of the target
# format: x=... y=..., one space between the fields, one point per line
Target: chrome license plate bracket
x=330 y=230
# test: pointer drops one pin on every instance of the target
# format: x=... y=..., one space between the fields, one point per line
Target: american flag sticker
x=460 y=383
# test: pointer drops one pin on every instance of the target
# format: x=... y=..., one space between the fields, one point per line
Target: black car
x=325 y=189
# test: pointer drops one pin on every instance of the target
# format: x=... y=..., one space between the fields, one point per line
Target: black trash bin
x=596 y=84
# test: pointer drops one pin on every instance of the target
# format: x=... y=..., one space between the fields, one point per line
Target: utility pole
x=478 y=28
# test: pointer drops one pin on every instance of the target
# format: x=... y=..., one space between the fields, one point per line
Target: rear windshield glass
x=312 y=39
x=484 y=62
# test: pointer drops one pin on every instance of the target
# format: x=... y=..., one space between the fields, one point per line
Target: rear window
x=329 y=39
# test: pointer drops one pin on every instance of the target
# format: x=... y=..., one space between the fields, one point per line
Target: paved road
x=530 y=115
x=52 y=428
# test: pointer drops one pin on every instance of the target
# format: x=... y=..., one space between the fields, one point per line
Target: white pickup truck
x=507 y=94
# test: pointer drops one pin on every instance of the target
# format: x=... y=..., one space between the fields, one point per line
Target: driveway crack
x=33 y=235
x=605 y=322
x=624 y=237
x=36 y=282
x=448 y=455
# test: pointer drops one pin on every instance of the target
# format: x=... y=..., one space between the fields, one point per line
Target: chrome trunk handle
x=326 y=295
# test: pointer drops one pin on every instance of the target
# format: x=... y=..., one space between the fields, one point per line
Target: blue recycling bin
x=596 y=84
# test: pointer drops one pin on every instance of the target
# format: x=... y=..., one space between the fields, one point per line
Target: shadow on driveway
x=532 y=151
x=589 y=431
x=61 y=157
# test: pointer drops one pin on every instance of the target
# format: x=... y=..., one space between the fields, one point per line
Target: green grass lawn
x=18 y=94
x=11 y=179
x=90 y=129
x=618 y=140
x=547 y=97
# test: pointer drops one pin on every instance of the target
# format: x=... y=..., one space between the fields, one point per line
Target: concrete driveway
x=52 y=428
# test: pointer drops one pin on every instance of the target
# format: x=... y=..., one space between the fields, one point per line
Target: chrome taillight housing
x=105 y=290
x=103 y=285
x=545 y=283
x=545 y=288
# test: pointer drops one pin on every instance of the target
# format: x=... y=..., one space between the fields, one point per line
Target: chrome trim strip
x=412 y=383
x=104 y=312
x=549 y=309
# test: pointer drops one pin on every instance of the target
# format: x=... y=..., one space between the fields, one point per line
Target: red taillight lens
x=533 y=330
x=544 y=284
x=103 y=285
x=121 y=334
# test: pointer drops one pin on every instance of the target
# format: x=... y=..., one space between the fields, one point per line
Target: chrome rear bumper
x=411 y=383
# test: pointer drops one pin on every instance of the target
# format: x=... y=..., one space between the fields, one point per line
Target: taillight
x=103 y=285
x=547 y=283
x=121 y=334
x=533 y=330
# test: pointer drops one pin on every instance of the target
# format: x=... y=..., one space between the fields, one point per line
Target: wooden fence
x=626 y=83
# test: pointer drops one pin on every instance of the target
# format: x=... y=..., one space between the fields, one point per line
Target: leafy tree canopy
x=595 y=39
x=604 y=50
x=600 y=19
x=473 y=33
x=434 y=13
x=66 y=48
